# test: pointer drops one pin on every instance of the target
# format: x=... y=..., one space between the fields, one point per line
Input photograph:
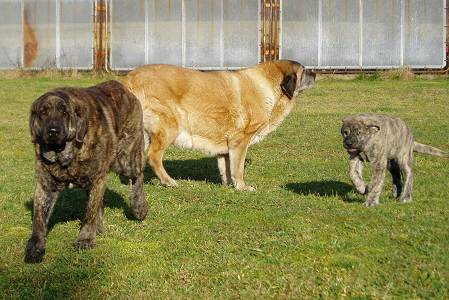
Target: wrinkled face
x=356 y=135
x=293 y=84
x=51 y=121
x=307 y=80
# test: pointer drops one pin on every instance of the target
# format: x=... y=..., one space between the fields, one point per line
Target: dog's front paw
x=35 y=250
x=169 y=182
x=139 y=209
x=362 y=189
x=85 y=243
x=371 y=202
x=244 y=187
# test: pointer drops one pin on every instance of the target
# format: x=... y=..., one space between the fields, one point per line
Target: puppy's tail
x=425 y=149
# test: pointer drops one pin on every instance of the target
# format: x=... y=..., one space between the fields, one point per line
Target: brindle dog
x=80 y=134
x=387 y=142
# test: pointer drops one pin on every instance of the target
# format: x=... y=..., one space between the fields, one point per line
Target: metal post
x=221 y=33
x=58 y=34
x=361 y=33
x=320 y=30
x=147 y=33
x=100 y=35
x=402 y=32
x=183 y=33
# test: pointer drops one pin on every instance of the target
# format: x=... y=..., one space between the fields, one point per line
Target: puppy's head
x=295 y=78
x=357 y=132
x=54 y=121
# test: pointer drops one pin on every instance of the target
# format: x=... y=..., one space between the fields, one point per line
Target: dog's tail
x=425 y=149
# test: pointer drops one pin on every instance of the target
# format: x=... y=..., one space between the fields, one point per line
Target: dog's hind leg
x=405 y=164
x=224 y=168
x=45 y=197
x=395 y=171
x=88 y=232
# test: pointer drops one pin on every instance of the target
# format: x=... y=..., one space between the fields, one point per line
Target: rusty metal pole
x=447 y=37
x=100 y=36
x=270 y=18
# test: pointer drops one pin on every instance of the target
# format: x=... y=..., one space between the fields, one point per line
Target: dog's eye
x=346 y=132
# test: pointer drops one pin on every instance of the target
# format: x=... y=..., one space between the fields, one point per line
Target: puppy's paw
x=369 y=203
x=139 y=209
x=34 y=252
x=362 y=189
x=85 y=243
x=405 y=200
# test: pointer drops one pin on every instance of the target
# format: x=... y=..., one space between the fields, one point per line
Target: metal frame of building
x=270 y=37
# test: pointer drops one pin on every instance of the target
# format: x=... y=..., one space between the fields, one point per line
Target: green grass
x=303 y=234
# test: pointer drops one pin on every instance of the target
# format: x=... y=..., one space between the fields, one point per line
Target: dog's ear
x=33 y=122
x=288 y=85
x=80 y=120
x=373 y=128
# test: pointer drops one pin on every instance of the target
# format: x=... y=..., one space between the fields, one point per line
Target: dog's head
x=55 y=120
x=357 y=132
x=295 y=78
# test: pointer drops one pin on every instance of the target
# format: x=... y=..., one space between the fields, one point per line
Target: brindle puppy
x=79 y=136
x=386 y=142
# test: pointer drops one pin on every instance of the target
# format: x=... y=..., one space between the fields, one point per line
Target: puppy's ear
x=81 y=119
x=373 y=128
x=288 y=85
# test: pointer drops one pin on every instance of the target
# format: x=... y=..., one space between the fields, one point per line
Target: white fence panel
x=354 y=34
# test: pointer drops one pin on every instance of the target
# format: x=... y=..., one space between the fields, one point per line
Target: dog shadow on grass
x=325 y=188
x=71 y=205
x=202 y=169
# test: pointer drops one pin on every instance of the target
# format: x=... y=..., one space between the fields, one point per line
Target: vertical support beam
x=183 y=33
x=320 y=31
x=361 y=33
x=402 y=32
x=58 y=34
x=446 y=28
x=221 y=34
x=22 y=12
x=270 y=16
x=101 y=45
x=280 y=29
x=147 y=33
x=259 y=38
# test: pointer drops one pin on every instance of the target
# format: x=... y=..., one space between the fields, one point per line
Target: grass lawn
x=303 y=234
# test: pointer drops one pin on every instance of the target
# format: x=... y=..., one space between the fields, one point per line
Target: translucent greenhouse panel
x=40 y=33
x=11 y=39
x=76 y=34
x=424 y=33
x=240 y=32
x=127 y=33
x=203 y=26
x=381 y=33
x=340 y=33
x=165 y=31
x=300 y=31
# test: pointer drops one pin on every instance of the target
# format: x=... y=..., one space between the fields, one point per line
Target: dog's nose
x=52 y=132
